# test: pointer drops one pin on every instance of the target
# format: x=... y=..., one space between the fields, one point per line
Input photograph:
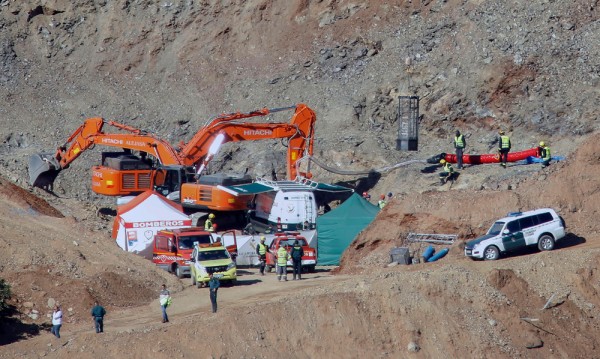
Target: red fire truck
x=173 y=247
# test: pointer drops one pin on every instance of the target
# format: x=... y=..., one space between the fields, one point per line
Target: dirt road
x=251 y=289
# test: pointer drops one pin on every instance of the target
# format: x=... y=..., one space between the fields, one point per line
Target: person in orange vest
x=503 y=147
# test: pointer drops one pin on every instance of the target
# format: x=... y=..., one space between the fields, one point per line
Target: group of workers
x=504 y=146
x=283 y=255
x=383 y=200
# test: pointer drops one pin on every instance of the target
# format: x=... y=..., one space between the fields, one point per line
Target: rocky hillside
x=168 y=67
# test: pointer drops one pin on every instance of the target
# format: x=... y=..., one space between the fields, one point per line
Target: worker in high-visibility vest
x=282 y=258
x=447 y=171
x=208 y=224
x=261 y=250
x=459 y=145
x=503 y=147
x=545 y=154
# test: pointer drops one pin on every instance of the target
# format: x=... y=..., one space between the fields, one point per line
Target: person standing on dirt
x=459 y=145
x=56 y=321
x=503 y=147
x=297 y=254
x=208 y=224
x=544 y=151
x=382 y=202
x=213 y=286
x=165 y=300
x=98 y=313
x=261 y=250
x=282 y=257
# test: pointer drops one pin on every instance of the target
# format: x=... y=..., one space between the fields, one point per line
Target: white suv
x=541 y=227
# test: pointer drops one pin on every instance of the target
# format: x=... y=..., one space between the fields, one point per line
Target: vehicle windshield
x=290 y=242
x=496 y=228
x=213 y=255
x=187 y=242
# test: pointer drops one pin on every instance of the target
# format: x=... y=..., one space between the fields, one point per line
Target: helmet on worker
x=457 y=132
x=382 y=196
x=211 y=216
x=263 y=238
x=542 y=143
x=365 y=194
x=443 y=161
x=500 y=132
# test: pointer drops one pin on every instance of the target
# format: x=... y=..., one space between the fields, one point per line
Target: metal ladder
x=432 y=238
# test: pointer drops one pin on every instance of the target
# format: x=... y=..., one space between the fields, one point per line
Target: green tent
x=338 y=228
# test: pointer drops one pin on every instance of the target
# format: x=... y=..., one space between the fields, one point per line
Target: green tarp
x=338 y=228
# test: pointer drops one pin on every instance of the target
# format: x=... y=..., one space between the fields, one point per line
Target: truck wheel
x=178 y=272
x=269 y=269
x=546 y=243
x=491 y=253
x=311 y=269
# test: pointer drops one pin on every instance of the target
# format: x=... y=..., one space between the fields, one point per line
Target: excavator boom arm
x=44 y=167
x=299 y=131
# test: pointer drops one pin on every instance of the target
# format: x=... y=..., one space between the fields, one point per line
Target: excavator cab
x=168 y=180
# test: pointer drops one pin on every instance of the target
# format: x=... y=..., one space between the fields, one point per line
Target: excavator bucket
x=43 y=169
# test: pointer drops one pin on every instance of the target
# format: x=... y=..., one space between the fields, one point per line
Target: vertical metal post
x=408 y=123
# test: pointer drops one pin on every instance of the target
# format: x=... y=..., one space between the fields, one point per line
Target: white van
x=541 y=228
x=290 y=209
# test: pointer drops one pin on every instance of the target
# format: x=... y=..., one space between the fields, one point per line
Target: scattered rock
x=413 y=347
x=51 y=302
x=534 y=343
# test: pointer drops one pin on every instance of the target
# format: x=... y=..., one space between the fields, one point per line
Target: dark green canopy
x=338 y=228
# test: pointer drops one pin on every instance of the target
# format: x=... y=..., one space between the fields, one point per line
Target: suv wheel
x=178 y=272
x=491 y=253
x=546 y=243
x=193 y=278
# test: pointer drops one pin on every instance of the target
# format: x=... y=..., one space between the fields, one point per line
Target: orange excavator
x=176 y=173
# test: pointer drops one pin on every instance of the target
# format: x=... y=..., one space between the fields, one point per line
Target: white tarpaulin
x=138 y=221
x=246 y=245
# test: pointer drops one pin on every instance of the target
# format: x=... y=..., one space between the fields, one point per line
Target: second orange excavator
x=176 y=173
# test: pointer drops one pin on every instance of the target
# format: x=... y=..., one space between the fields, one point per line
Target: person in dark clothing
x=98 y=314
x=459 y=145
x=213 y=285
x=297 y=253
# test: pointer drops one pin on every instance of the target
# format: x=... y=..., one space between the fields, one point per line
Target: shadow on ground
x=13 y=329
